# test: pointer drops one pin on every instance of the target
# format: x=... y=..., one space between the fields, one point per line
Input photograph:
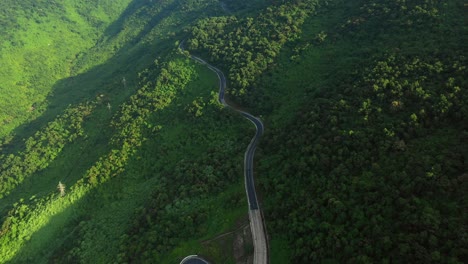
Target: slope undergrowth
x=40 y=41
x=363 y=159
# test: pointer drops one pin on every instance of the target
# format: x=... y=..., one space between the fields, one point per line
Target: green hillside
x=40 y=42
x=363 y=160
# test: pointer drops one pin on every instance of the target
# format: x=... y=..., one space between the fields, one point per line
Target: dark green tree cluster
x=373 y=166
x=384 y=163
x=168 y=220
x=154 y=95
x=246 y=46
x=160 y=226
x=185 y=184
x=177 y=209
x=407 y=21
x=241 y=6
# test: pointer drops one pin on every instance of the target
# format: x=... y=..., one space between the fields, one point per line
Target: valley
x=148 y=131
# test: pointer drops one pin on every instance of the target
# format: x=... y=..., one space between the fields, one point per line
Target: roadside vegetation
x=365 y=149
x=114 y=148
x=376 y=150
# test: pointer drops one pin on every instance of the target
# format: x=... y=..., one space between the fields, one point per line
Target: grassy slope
x=101 y=230
x=60 y=233
x=180 y=184
x=39 y=48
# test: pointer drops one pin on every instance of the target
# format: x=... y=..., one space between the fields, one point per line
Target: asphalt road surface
x=193 y=259
x=255 y=216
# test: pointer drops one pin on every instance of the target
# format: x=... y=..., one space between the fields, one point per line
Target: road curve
x=255 y=216
x=193 y=259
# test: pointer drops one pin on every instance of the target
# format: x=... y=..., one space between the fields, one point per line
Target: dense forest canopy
x=115 y=149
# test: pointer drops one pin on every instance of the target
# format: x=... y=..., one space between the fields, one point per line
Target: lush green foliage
x=246 y=46
x=40 y=41
x=41 y=149
x=363 y=160
x=149 y=124
x=385 y=173
x=376 y=154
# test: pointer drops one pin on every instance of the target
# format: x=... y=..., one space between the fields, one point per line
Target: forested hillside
x=365 y=158
x=376 y=152
x=40 y=41
x=115 y=149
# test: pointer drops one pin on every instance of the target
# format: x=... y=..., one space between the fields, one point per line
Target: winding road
x=193 y=259
x=257 y=226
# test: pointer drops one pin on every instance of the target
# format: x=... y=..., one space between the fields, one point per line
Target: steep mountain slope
x=40 y=42
x=105 y=133
x=371 y=164
x=364 y=157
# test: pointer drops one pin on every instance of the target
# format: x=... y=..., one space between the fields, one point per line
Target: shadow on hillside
x=56 y=225
x=105 y=79
x=64 y=231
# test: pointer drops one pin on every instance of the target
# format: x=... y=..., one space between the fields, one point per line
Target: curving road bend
x=255 y=216
x=193 y=259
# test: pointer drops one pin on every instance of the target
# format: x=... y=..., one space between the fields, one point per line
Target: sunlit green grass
x=40 y=53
